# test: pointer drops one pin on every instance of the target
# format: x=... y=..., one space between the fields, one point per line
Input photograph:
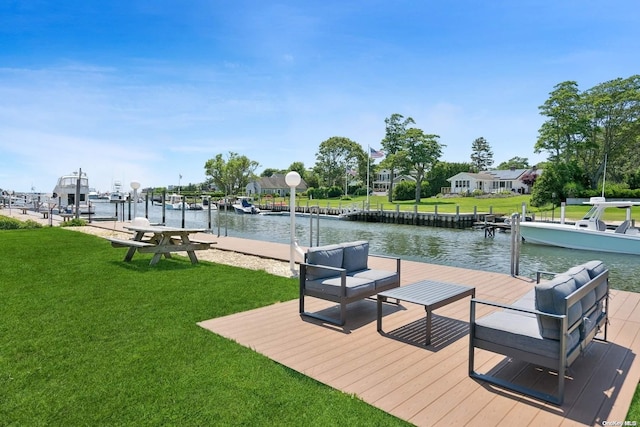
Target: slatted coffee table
x=430 y=294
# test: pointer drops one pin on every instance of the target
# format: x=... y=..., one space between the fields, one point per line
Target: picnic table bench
x=67 y=216
x=161 y=240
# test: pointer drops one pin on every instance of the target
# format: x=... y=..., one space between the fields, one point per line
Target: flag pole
x=368 y=167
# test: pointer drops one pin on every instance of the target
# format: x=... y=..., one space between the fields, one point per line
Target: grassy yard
x=86 y=339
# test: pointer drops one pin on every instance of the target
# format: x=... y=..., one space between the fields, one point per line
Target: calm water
x=459 y=248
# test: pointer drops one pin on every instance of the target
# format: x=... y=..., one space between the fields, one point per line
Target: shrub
x=361 y=191
x=7 y=223
x=30 y=224
x=75 y=222
x=405 y=190
x=334 y=191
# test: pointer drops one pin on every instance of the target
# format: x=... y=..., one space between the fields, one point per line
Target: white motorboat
x=590 y=233
x=117 y=195
x=67 y=192
x=244 y=206
x=177 y=202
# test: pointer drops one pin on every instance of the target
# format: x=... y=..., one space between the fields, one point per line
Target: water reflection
x=458 y=248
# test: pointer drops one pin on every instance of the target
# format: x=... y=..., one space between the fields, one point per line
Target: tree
x=585 y=128
x=514 y=162
x=559 y=181
x=393 y=143
x=423 y=152
x=298 y=167
x=232 y=175
x=566 y=129
x=335 y=156
x=481 y=154
x=269 y=172
x=614 y=108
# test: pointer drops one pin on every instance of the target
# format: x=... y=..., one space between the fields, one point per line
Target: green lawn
x=498 y=205
x=86 y=339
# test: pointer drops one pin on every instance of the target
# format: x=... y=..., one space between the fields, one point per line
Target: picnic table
x=161 y=240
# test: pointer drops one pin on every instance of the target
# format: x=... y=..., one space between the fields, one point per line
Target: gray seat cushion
x=528 y=302
x=521 y=332
x=382 y=278
x=332 y=286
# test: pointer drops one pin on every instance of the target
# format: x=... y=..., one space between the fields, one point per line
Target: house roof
x=482 y=176
x=277 y=181
x=507 y=174
x=492 y=175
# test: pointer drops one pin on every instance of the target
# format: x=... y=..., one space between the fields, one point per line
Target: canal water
x=452 y=247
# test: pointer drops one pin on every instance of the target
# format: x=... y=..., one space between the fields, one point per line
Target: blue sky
x=150 y=90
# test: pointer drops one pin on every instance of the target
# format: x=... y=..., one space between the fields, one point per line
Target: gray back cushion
x=355 y=256
x=550 y=298
x=330 y=255
x=595 y=268
x=581 y=276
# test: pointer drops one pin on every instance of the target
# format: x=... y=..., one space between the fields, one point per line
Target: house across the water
x=494 y=181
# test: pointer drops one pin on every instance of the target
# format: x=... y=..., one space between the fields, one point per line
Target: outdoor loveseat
x=550 y=326
x=340 y=273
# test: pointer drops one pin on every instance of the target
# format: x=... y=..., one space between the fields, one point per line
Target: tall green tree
x=614 y=109
x=233 y=174
x=514 y=162
x=298 y=167
x=393 y=142
x=585 y=128
x=269 y=172
x=334 y=158
x=481 y=154
x=567 y=126
x=422 y=153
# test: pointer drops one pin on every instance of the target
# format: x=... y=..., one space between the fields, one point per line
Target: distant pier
x=396 y=216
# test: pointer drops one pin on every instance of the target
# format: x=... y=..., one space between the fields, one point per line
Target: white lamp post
x=293 y=180
x=135 y=185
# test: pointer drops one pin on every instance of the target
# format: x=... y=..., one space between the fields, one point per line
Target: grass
x=90 y=340
x=498 y=205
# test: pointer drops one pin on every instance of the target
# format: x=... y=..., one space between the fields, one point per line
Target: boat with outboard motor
x=243 y=205
x=590 y=233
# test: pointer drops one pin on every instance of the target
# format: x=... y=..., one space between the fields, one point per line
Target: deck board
x=429 y=385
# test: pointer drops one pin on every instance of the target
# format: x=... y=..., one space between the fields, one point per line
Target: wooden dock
x=430 y=385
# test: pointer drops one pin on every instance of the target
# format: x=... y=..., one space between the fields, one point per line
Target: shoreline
x=114 y=229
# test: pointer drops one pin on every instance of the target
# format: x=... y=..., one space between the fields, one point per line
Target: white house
x=494 y=181
x=380 y=180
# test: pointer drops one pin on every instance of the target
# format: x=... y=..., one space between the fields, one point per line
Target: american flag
x=375 y=154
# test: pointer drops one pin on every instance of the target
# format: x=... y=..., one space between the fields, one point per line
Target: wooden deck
x=430 y=385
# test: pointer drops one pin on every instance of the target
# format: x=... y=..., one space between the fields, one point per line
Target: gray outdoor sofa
x=550 y=326
x=340 y=273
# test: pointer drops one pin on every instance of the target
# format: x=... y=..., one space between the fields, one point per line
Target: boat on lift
x=590 y=233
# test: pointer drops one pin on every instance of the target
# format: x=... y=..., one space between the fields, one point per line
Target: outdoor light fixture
x=135 y=185
x=293 y=180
